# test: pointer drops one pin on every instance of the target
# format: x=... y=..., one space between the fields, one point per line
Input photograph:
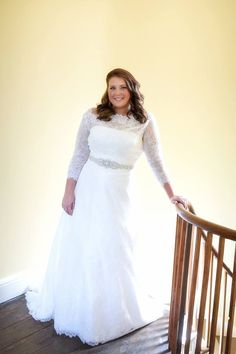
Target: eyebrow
x=118 y=85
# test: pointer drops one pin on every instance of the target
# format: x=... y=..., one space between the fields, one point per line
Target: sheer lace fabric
x=148 y=133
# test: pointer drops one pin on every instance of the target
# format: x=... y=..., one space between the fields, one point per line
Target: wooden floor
x=20 y=334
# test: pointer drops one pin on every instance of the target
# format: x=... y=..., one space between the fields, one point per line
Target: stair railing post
x=184 y=284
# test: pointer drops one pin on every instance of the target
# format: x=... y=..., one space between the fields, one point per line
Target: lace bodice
x=147 y=135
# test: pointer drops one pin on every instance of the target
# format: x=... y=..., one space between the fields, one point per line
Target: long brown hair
x=105 y=108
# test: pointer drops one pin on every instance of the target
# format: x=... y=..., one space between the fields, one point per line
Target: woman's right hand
x=68 y=202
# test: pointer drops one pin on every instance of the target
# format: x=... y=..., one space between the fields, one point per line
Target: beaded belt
x=109 y=163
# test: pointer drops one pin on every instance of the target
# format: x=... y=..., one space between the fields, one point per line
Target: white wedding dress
x=91 y=287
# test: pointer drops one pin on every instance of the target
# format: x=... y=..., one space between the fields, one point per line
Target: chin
x=121 y=106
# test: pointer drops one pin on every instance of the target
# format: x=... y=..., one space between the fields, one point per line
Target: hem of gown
x=75 y=334
x=105 y=340
x=32 y=312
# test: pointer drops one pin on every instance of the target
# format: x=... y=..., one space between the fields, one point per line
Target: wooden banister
x=192 y=218
x=197 y=286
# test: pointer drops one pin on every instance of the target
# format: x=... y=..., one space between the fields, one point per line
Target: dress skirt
x=91 y=288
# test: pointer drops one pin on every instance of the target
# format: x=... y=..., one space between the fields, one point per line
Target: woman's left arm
x=153 y=151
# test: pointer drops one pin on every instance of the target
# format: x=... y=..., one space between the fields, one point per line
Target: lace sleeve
x=153 y=151
x=81 y=149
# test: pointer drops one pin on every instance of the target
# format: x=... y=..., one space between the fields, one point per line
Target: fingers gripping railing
x=202 y=304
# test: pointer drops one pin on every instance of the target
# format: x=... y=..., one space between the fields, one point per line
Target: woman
x=91 y=288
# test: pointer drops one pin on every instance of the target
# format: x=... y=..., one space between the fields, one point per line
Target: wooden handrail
x=194 y=259
x=192 y=218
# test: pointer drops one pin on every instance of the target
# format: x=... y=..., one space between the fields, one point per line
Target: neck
x=122 y=111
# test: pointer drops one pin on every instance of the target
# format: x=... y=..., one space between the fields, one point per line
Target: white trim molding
x=13 y=286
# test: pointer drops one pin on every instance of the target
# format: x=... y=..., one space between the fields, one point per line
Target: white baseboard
x=13 y=286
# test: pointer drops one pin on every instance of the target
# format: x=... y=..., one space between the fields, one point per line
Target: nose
x=117 y=95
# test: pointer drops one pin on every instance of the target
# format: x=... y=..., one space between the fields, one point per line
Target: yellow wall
x=54 y=58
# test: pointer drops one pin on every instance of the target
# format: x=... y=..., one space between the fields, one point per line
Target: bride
x=91 y=287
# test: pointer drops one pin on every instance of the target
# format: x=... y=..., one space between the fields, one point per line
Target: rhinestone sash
x=109 y=163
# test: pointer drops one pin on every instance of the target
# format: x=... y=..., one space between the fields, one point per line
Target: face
x=118 y=94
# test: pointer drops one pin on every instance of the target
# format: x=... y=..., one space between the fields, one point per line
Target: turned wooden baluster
x=223 y=315
x=205 y=279
x=208 y=328
x=217 y=294
x=172 y=319
x=177 y=281
x=231 y=309
x=183 y=291
x=193 y=290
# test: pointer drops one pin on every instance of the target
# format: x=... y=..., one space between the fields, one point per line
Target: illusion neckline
x=117 y=115
x=121 y=115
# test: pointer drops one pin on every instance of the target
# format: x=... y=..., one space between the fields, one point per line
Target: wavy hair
x=105 y=109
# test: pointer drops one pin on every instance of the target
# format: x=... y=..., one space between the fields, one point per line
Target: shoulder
x=93 y=110
x=151 y=124
x=89 y=111
x=90 y=114
x=88 y=118
x=150 y=118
